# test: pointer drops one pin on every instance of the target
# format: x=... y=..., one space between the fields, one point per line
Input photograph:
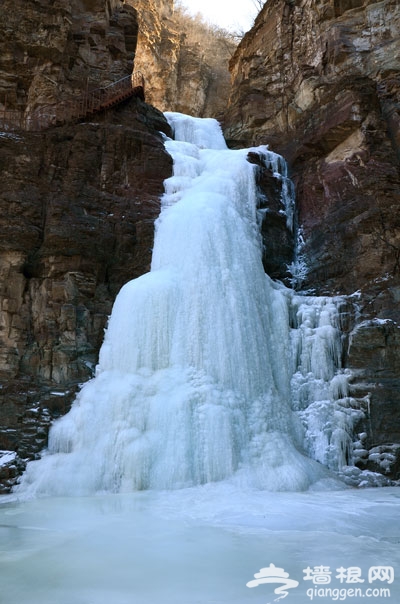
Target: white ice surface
x=193 y=546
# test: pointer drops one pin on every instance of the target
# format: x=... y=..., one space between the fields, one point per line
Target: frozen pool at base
x=199 y=546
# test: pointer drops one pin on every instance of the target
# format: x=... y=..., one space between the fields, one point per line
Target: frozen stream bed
x=201 y=546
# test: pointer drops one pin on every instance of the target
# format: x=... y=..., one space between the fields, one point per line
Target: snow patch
x=6 y=457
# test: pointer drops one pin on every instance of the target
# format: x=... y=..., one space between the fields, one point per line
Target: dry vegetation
x=212 y=46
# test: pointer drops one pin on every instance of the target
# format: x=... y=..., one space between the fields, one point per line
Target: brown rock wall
x=185 y=60
x=50 y=50
x=158 y=50
x=320 y=83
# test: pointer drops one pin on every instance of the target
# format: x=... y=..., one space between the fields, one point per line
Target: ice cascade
x=201 y=376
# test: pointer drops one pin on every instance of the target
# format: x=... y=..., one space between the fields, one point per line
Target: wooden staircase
x=75 y=108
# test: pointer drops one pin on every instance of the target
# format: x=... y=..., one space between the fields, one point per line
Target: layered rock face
x=320 y=83
x=158 y=50
x=186 y=62
x=54 y=49
x=78 y=203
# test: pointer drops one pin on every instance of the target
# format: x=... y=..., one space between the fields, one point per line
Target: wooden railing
x=75 y=108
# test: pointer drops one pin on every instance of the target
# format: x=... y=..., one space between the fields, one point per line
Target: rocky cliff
x=320 y=83
x=77 y=203
x=185 y=60
x=52 y=49
x=157 y=50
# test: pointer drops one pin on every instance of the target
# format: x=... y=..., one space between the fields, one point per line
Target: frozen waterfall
x=202 y=375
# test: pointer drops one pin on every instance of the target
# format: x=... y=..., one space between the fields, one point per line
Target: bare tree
x=259 y=4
